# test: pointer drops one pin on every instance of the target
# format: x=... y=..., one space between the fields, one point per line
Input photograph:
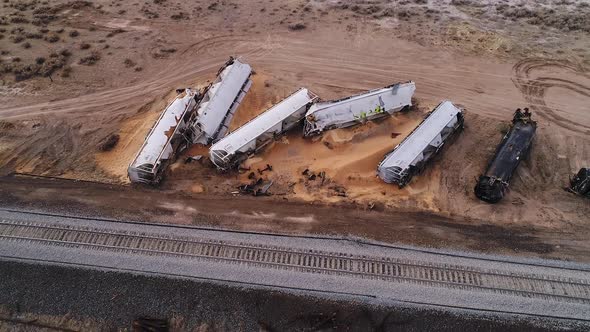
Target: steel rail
x=451 y=276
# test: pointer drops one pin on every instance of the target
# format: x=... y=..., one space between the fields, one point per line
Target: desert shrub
x=461 y=2
x=17 y=39
x=66 y=72
x=297 y=26
x=65 y=52
x=366 y=10
x=108 y=143
x=45 y=68
x=138 y=68
x=115 y=32
x=149 y=13
x=26 y=45
x=179 y=16
x=129 y=63
x=52 y=38
x=85 y=46
x=91 y=59
x=19 y=19
x=33 y=35
x=74 y=33
x=40 y=60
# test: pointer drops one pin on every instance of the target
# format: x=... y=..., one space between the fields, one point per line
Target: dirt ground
x=110 y=67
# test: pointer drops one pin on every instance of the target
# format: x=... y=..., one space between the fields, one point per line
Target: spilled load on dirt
x=515 y=146
x=411 y=155
x=220 y=101
x=168 y=136
x=580 y=182
x=351 y=110
x=258 y=132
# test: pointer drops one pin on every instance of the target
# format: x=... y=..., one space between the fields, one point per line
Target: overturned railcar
x=255 y=134
x=359 y=108
x=515 y=145
x=580 y=182
x=410 y=156
x=169 y=135
x=220 y=100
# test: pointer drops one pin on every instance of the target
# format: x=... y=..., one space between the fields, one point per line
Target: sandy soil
x=486 y=58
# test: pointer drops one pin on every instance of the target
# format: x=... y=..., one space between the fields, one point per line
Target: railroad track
x=309 y=261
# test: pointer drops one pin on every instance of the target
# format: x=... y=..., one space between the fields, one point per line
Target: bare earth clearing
x=123 y=62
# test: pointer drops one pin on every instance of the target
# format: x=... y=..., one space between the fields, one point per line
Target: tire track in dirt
x=535 y=89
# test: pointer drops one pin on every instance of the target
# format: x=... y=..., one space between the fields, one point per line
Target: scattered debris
x=580 y=182
x=264 y=189
x=339 y=191
x=322 y=176
x=412 y=154
x=514 y=146
x=193 y=158
x=267 y=168
x=256 y=188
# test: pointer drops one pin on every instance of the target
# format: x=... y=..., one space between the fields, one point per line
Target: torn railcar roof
x=164 y=129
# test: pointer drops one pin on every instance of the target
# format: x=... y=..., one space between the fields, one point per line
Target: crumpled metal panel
x=414 y=151
x=156 y=146
x=220 y=101
x=261 y=130
x=357 y=109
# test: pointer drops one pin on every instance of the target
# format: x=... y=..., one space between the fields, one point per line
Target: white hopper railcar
x=255 y=134
x=220 y=101
x=165 y=139
x=410 y=156
x=358 y=108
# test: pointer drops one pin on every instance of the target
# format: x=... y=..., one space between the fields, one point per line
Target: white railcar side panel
x=220 y=101
x=355 y=109
x=273 y=121
x=428 y=135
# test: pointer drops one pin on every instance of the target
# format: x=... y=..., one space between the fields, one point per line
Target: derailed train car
x=359 y=108
x=411 y=155
x=580 y=183
x=263 y=129
x=220 y=100
x=168 y=135
x=515 y=145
